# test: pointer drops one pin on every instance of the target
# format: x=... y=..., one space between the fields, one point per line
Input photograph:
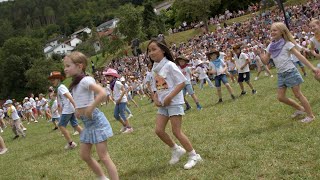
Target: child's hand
x=167 y=101
x=317 y=74
x=88 y=112
x=156 y=101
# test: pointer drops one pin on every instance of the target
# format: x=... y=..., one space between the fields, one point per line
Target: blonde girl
x=279 y=50
x=168 y=97
x=315 y=40
x=87 y=96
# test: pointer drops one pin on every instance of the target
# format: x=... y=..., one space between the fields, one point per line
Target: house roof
x=108 y=24
x=80 y=31
x=106 y=33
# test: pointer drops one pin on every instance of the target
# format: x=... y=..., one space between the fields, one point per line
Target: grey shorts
x=173 y=110
x=290 y=78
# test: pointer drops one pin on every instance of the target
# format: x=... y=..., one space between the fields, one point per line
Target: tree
x=6 y=31
x=130 y=24
x=194 y=10
x=37 y=75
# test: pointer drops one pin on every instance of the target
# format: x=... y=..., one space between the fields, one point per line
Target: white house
x=81 y=31
x=75 y=41
x=108 y=25
x=62 y=49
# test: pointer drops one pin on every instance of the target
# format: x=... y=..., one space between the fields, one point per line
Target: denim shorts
x=96 y=129
x=55 y=119
x=172 y=110
x=65 y=118
x=290 y=78
x=233 y=72
x=244 y=77
x=119 y=111
x=298 y=63
x=218 y=79
x=188 y=89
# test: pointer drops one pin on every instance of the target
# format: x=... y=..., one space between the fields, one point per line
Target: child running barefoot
x=67 y=110
x=120 y=97
x=279 y=50
x=87 y=96
x=183 y=66
x=169 y=81
x=219 y=68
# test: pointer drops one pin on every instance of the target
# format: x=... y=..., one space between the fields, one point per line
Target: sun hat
x=237 y=46
x=26 y=98
x=8 y=102
x=56 y=75
x=182 y=58
x=216 y=52
x=111 y=72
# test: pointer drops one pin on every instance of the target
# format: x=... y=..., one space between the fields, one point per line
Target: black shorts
x=244 y=77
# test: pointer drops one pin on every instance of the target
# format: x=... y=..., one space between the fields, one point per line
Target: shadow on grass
x=152 y=172
x=271 y=128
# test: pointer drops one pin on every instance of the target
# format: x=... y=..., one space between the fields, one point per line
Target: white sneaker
x=36 y=121
x=271 y=76
x=176 y=154
x=75 y=133
x=4 y=150
x=1 y=131
x=297 y=113
x=130 y=116
x=128 y=130
x=72 y=146
x=307 y=119
x=24 y=129
x=256 y=78
x=193 y=160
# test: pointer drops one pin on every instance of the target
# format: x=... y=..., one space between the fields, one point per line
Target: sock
x=175 y=146
x=192 y=153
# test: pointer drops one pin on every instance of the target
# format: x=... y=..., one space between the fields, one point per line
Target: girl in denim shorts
x=168 y=82
x=282 y=45
x=87 y=96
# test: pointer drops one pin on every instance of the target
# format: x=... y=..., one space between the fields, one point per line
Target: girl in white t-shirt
x=16 y=122
x=169 y=81
x=87 y=96
x=315 y=40
x=55 y=115
x=279 y=50
x=120 y=97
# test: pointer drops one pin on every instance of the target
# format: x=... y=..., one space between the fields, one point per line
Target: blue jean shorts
x=65 y=118
x=188 y=89
x=233 y=72
x=55 y=119
x=96 y=128
x=218 y=79
x=172 y=110
x=290 y=78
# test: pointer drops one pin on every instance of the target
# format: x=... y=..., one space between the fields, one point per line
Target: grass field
x=250 y=138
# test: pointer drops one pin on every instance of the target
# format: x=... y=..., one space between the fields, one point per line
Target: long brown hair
x=78 y=58
x=163 y=46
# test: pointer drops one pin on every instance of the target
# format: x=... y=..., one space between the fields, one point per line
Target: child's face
x=109 y=78
x=181 y=62
x=54 y=82
x=314 y=27
x=213 y=56
x=71 y=69
x=155 y=52
x=275 y=33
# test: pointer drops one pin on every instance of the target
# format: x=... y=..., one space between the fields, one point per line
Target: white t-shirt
x=218 y=70
x=33 y=102
x=202 y=72
x=231 y=66
x=82 y=95
x=54 y=109
x=240 y=62
x=315 y=43
x=283 y=61
x=187 y=73
x=1 y=114
x=14 y=113
x=117 y=92
x=63 y=101
x=27 y=106
x=166 y=80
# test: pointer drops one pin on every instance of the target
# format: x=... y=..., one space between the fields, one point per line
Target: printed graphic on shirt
x=161 y=83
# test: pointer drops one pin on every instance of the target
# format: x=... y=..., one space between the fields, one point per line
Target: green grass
x=250 y=138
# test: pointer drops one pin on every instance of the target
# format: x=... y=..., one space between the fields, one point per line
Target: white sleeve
x=179 y=77
x=63 y=89
x=87 y=81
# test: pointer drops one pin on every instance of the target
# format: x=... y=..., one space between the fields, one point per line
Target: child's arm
x=265 y=57
x=176 y=90
x=68 y=96
x=313 y=52
x=303 y=59
x=101 y=95
x=123 y=92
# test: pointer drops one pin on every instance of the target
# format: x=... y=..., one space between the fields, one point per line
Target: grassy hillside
x=250 y=138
